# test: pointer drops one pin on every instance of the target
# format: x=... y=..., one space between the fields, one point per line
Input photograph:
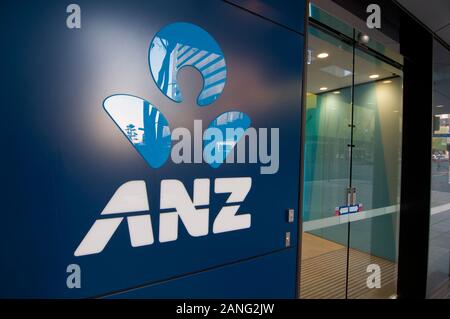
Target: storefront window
x=439 y=244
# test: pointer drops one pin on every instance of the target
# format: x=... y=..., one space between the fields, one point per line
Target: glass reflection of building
x=169 y=53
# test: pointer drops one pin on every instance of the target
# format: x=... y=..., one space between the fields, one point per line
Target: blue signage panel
x=148 y=140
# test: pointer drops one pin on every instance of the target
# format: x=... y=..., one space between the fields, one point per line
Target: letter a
x=374 y=279
x=374 y=20
x=130 y=197
x=73 y=21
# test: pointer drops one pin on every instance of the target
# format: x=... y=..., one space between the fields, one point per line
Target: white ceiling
x=322 y=72
x=433 y=13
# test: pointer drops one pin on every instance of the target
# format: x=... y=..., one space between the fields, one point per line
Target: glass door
x=326 y=166
x=375 y=176
x=351 y=186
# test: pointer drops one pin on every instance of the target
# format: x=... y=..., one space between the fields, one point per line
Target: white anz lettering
x=131 y=199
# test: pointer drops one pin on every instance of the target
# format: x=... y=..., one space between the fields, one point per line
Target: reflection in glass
x=144 y=126
x=438 y=285
x=183 y=44
x=222 y=134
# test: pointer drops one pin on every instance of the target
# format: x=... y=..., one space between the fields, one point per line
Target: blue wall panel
x=248 y=279
x=66 y=157
x=288 y=13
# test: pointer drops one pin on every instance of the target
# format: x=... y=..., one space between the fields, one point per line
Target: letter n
x=175 y=196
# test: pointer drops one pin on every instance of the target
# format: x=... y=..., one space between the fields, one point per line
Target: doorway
x=352 y=165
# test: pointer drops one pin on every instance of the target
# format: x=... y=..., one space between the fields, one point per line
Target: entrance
x=352 y=162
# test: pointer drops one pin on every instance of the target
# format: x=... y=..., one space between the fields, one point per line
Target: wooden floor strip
x=324 y=276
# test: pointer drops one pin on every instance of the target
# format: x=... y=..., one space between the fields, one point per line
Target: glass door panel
x=326 y=167
x=375 y=175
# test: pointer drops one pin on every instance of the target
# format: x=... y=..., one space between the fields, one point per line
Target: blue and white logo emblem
x=148 y=130
x=176 y=46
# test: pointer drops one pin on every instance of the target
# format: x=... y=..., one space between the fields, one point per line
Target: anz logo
x=130 y=200
x=146 y=128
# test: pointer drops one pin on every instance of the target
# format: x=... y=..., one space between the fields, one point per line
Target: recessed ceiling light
x=374 y=76
x=323 y=88
x=439 y=105
x=337 y=92
x=387 y=81
x=323 y=55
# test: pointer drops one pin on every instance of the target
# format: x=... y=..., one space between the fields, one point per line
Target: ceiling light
x=439 y=105
x=322 y=55
x=374 y=76
x=337 y=92
x=387 y=81
x=323 y=88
